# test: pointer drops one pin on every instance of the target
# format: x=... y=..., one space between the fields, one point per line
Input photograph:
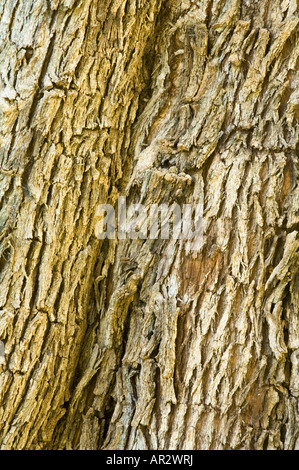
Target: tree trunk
x=142 y=344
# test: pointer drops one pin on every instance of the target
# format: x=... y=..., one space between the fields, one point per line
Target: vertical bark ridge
x=71 y=77
x=139 y=344
x=211 y=334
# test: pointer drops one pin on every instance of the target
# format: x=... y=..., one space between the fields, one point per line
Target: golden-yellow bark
x=138 y=344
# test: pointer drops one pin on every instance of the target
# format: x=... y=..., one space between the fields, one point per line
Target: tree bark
x=142 y=344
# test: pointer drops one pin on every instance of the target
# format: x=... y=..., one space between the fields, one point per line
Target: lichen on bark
x=138 y=344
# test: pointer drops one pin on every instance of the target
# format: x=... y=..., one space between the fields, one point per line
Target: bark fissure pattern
x=138 y=344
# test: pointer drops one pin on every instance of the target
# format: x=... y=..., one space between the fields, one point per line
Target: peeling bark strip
x=136 y=344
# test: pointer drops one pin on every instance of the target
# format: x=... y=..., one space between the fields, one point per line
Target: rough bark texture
x=138 y=344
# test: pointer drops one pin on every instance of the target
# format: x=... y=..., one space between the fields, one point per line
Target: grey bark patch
x=2 y=352
x=171 y=351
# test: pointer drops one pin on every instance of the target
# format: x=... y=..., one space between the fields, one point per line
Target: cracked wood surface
x=140 y=344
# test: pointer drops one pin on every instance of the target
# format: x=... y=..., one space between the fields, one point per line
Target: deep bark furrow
x=140 y=343
x=231 y=375
x=52 y=104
